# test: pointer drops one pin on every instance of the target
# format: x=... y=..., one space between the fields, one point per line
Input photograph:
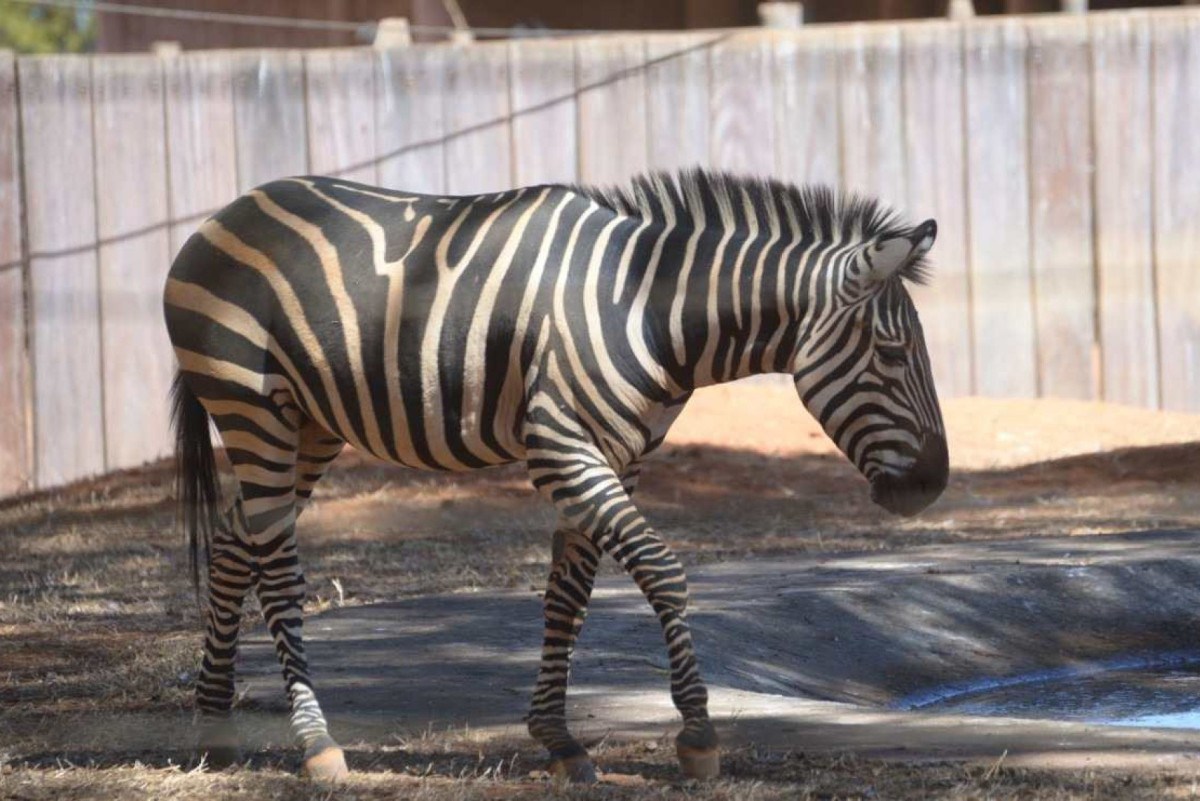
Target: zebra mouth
x=914 y=490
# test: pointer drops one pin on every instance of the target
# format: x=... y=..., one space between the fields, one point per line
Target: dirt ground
x=97 y=615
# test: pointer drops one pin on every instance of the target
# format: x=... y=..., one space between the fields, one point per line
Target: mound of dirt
x=984 y=433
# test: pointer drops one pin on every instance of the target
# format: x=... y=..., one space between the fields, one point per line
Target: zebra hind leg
x=274 y=482
x=564 y=606
x=230 y=577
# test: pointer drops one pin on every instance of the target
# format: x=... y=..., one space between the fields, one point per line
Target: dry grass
x=633 y=773
x=97 y=613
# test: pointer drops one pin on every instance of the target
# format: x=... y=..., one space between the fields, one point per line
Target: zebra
x=560 y=326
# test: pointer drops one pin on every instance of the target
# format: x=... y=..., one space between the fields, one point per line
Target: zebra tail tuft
x=197 y=486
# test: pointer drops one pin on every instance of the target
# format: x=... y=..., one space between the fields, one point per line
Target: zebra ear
x=889 y=256
x=886 y=257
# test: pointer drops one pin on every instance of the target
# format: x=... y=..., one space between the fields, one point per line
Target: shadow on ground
x=803 y=591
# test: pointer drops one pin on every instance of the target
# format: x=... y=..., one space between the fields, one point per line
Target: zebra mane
x=648 y=195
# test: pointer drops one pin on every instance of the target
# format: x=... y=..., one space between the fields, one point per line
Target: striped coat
x=564 y=327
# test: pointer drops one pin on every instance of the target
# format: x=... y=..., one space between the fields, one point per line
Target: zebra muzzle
x=912 y=491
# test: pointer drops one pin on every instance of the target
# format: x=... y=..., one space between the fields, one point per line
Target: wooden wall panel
x=410 y=118
x=1005 y=346
x=269 y=116
x=16 y=458
x=1060 y=175
x=612 y=109
x=60 y=203
x=543 y=112
x=134 y=254
x=678 y=100
x=742 y=139
x=871 y=99
x=1177 y=207
x=936 y=183
x=340 y=86
x=478 y=120
x=202 y=162
x=807 y=127
x=1121 y=111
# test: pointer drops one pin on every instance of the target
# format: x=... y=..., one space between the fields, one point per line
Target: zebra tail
x=197 y=486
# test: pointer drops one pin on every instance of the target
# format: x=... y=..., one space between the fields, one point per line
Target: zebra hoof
x=327 y=765
x=574 y=770
x=699 y=763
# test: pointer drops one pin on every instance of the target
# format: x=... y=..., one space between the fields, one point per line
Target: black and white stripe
x=564 y=327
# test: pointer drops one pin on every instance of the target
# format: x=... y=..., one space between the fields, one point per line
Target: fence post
x=1005 y=358
x=478 y=119
x=340 y=87
x=781 y=16
x=134 y=254
x=742 y=139
x=678 y=100
x=410 y=118
x=1060 y=182
x=271 y=124
x=543 y=100
x=611 y=82
x=1176 y=60
x=961 y=9
x=1121 y=122
x=392 y=32
x=60 y=202
x=935 y=179
x=16 y=419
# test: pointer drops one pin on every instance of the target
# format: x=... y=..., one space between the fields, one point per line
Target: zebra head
x=864 y=371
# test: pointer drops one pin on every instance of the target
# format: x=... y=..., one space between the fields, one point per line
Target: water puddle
x=1157 y=692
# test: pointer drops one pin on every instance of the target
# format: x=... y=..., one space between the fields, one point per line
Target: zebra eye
x=892 y=355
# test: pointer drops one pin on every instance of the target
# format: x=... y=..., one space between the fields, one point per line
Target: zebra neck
x=730 y=307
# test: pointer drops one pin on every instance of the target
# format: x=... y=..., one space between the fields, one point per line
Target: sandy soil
x=983 y=433
x=96 y=612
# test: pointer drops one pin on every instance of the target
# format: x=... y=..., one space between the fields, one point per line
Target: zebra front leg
x=230 y=577
x=572 y=572
x=588 y=493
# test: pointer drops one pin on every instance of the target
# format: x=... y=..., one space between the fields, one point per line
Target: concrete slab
x=804 y=653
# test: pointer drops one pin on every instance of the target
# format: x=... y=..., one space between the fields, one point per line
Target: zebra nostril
x=909 y=492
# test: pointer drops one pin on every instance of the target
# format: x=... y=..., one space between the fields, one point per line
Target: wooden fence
x=1059 y=154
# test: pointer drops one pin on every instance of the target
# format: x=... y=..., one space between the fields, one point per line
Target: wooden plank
x=131 y=165
x=410 y=120
x=1004 y=362
x=935 y=161
x=16 y=466
x=612 y=109
x=1177 y=207
x=806 y=108
x=543 y=112
x=478 y=120
x=677 y=100
x=1121 y=111
x=871 y=119
x=60 y=203
x=1060 y=176
x=743 y=138
x=269 y=116
x=340 y=85
x=202 y=160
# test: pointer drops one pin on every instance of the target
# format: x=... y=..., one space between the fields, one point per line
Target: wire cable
x=230 y=18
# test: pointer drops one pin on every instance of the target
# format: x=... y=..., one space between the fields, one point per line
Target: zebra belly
x=458 y=448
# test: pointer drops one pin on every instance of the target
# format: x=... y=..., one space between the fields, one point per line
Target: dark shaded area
x=94 y=580
x=863 y=629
